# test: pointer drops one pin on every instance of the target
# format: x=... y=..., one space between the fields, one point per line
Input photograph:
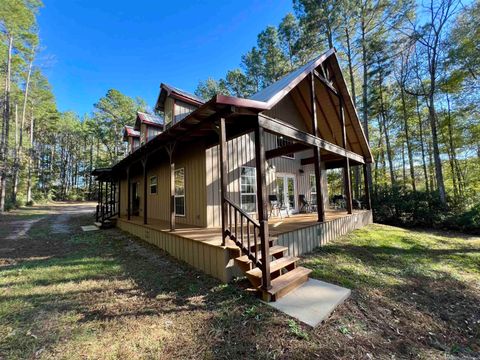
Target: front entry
x=287 y=191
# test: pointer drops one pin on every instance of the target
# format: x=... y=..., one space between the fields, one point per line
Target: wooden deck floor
x=212 y=236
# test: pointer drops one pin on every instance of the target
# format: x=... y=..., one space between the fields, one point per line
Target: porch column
x=129 y=195
x=102 y=206
x=262 y=204
x=316 y=153
x=346 y=174
x=119 y=196
x=368 y=200
x=145 y=183
x=170 y=149
x=223 y=176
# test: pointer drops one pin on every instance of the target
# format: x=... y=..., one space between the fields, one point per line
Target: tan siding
x=241 y=152
x=182 y=109
x=158 y=205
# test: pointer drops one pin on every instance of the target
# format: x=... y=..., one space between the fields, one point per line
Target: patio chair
x=275 y=206
x=304 y=204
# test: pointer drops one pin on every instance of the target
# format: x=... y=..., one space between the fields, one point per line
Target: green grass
x=93 y=295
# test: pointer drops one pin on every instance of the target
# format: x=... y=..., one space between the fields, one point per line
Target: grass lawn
x=104 y=295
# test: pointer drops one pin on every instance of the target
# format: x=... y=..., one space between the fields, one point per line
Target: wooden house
x=238 y=186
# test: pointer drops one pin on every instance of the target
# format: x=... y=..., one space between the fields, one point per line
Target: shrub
x=401 y=207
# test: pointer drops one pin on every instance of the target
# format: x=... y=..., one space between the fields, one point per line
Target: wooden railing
x=250 y=236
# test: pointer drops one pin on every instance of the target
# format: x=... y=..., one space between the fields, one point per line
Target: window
x=180 y=192
x=281 y=142
x=136 y=143
x=153 y=185
x=152 y=132
x=313 y=186
x=248 y=197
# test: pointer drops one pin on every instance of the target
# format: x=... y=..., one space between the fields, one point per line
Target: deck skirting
x=217 y=261
x=211 y=259
x=304 y=240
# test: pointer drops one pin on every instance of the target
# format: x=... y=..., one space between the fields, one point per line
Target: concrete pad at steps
x=89 y=228
x=312 y=302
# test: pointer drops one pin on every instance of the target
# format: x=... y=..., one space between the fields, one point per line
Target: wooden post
x=368 y=200
x=119 y=195
x=316 y=153
x=129 y=194
x=102 y=205
x=346 y=174
x=170 y=149
x=145 y=183
x=262 y=204
x=223 y=176
x=97 y=217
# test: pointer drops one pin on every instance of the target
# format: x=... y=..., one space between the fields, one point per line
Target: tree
x=430 y=37
x=112 y=113
x=17 y=21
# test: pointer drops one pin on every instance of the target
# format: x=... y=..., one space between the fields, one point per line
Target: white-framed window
x=313 y=186
x=179 y=177
x=248 y=191
x=281 y=142
x=153 y=185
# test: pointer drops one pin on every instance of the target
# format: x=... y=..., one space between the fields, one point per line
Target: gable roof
x=129 y=131
x=149 y=119
x=168 y=90
x=274 y=93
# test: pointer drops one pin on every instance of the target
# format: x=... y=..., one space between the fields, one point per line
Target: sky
x=91 y=46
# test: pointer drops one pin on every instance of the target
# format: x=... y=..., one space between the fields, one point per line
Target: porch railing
x=250 y=236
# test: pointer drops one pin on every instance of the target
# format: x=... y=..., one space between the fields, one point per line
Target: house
x=238 y=186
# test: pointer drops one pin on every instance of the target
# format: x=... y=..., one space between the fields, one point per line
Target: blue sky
x=133 y=46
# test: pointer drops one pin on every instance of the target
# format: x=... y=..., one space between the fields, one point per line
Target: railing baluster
x=248 y=237
x=236 y=237
x=241 y=229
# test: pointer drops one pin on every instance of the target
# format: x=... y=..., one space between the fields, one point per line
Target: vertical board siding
x=158 y=205
x=241 y=152
x=304 y=240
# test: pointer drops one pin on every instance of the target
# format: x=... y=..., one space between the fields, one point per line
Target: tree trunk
x=407 y=139
x=436 y=151
x=5 y=129
x=383 y=115
x=30 y=160
x=365 y=95
x=15 y=160
x=422 y=145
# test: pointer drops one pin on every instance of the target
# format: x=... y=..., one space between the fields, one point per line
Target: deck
x=212 y=236
x=202 y=247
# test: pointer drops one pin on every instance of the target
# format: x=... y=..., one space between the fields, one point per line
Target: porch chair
x=304 y=204
x=275 y=206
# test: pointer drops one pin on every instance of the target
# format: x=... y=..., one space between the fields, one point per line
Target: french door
x=287 y=191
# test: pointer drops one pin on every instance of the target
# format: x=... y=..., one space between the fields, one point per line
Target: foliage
x=419 y=209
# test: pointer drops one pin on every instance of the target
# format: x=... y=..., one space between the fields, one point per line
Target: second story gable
x=176 y=104
x=148 y=126
x=132 y=138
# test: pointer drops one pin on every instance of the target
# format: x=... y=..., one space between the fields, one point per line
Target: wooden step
x=244 y=262
x=286 y=283
x=257 y=246
x=255 y=275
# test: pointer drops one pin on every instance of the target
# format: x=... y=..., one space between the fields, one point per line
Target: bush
x=401 y=207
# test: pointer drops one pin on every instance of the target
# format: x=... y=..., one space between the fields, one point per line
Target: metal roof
x=276 y=91
x=150 y=118
x=130 y=131
x=168 y=90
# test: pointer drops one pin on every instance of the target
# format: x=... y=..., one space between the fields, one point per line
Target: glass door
x=287 y=192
